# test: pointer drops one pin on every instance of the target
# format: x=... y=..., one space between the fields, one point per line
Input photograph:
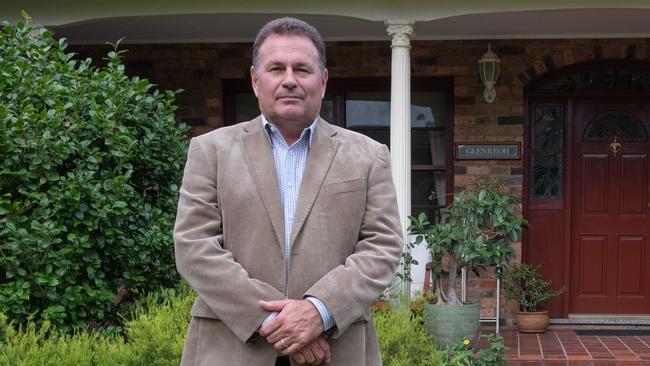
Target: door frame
x=533 y=94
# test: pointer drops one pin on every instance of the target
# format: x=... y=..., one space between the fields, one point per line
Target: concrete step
x=602 y=321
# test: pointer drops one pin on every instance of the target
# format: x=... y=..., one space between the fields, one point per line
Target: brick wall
x=200 y=68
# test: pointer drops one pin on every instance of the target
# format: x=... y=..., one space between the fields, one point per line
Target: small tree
x=91 y=160
x=476 y=231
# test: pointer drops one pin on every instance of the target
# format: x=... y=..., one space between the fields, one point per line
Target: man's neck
x=290 y=130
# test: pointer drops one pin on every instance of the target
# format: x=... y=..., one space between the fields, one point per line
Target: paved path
x=564 y=347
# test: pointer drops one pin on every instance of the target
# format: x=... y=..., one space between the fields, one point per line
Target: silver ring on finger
x=284 y=345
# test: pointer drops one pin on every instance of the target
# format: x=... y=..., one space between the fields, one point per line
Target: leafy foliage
x=462 y=354
x=91 y=160
x=403 y=340
x=527 y=286
x=495 y=354
x=155 y=336
x=476 y=230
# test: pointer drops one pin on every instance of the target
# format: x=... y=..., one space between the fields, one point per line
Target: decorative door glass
x=623 y=125
x=547 y=163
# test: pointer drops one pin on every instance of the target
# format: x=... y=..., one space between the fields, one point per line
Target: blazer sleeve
x=222 y=283
x=349 y=289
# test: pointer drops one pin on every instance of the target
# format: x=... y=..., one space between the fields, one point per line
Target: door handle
x=615 y=147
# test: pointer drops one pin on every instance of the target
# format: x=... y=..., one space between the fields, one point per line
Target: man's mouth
x=290 y=97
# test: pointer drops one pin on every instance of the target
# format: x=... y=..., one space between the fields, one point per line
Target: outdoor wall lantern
x=488 y=66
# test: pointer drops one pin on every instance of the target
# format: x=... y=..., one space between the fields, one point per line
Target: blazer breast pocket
x=350 y=185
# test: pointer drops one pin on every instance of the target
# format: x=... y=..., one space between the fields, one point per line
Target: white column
x=400 y=117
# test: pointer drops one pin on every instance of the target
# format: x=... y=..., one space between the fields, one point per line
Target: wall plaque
x=476 y=151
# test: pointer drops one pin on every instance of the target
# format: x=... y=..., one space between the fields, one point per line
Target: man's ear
x=254 y=80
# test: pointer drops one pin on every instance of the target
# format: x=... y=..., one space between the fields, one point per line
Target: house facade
x=567 y=131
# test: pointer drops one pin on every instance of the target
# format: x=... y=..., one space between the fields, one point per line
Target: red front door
x=610 y=249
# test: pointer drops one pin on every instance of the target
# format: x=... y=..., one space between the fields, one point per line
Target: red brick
x=488 y=284
x=567 y=57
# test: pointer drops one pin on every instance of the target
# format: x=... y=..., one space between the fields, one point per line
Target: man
x=287 y=226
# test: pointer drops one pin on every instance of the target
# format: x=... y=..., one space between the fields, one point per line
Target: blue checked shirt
x=290 y=165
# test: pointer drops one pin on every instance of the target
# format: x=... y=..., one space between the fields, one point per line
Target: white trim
x=400 y=118
x=469 y=37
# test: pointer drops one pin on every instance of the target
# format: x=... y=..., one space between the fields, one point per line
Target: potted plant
x=475 y=231
x=530 y=289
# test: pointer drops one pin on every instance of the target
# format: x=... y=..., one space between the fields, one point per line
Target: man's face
x=288 y=81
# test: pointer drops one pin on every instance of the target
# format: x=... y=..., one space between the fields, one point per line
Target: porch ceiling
x=203 y=21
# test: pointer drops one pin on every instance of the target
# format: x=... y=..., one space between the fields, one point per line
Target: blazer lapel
x=259 y=159
x=321 y=154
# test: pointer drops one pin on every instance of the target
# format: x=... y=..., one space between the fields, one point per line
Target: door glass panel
x=586 y=80
x=623 y=125
x=546 y=175
x=626 y=78
x=548 y=126
x=635 y=79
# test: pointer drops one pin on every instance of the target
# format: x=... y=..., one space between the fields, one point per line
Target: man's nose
x=289 y=81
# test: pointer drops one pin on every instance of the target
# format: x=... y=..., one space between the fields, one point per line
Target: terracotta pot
x=416 y=307
x=380 y=304
x=532 y=322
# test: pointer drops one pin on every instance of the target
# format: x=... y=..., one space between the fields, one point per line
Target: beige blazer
x=229 y=237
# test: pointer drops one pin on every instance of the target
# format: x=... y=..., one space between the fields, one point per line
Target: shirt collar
x=269 y=126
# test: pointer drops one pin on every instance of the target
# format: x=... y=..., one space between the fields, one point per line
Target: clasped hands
x=296 y=331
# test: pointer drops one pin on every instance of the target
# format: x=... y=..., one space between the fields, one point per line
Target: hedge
x=90 y=162
x=155 y=337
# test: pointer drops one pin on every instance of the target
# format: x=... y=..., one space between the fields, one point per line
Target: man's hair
x=292 y=27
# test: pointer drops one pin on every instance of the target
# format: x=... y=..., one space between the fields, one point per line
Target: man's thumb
x=276 y=305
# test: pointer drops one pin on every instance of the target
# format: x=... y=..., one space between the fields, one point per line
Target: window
x=547 y=150
x=363 y=105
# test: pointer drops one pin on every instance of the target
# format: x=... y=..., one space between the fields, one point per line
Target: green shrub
x=495 y=354
x=154 y=337
x=91 y=160
x=403 y=340
x=45 y=346
x=461 y=353
x=157 y=334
